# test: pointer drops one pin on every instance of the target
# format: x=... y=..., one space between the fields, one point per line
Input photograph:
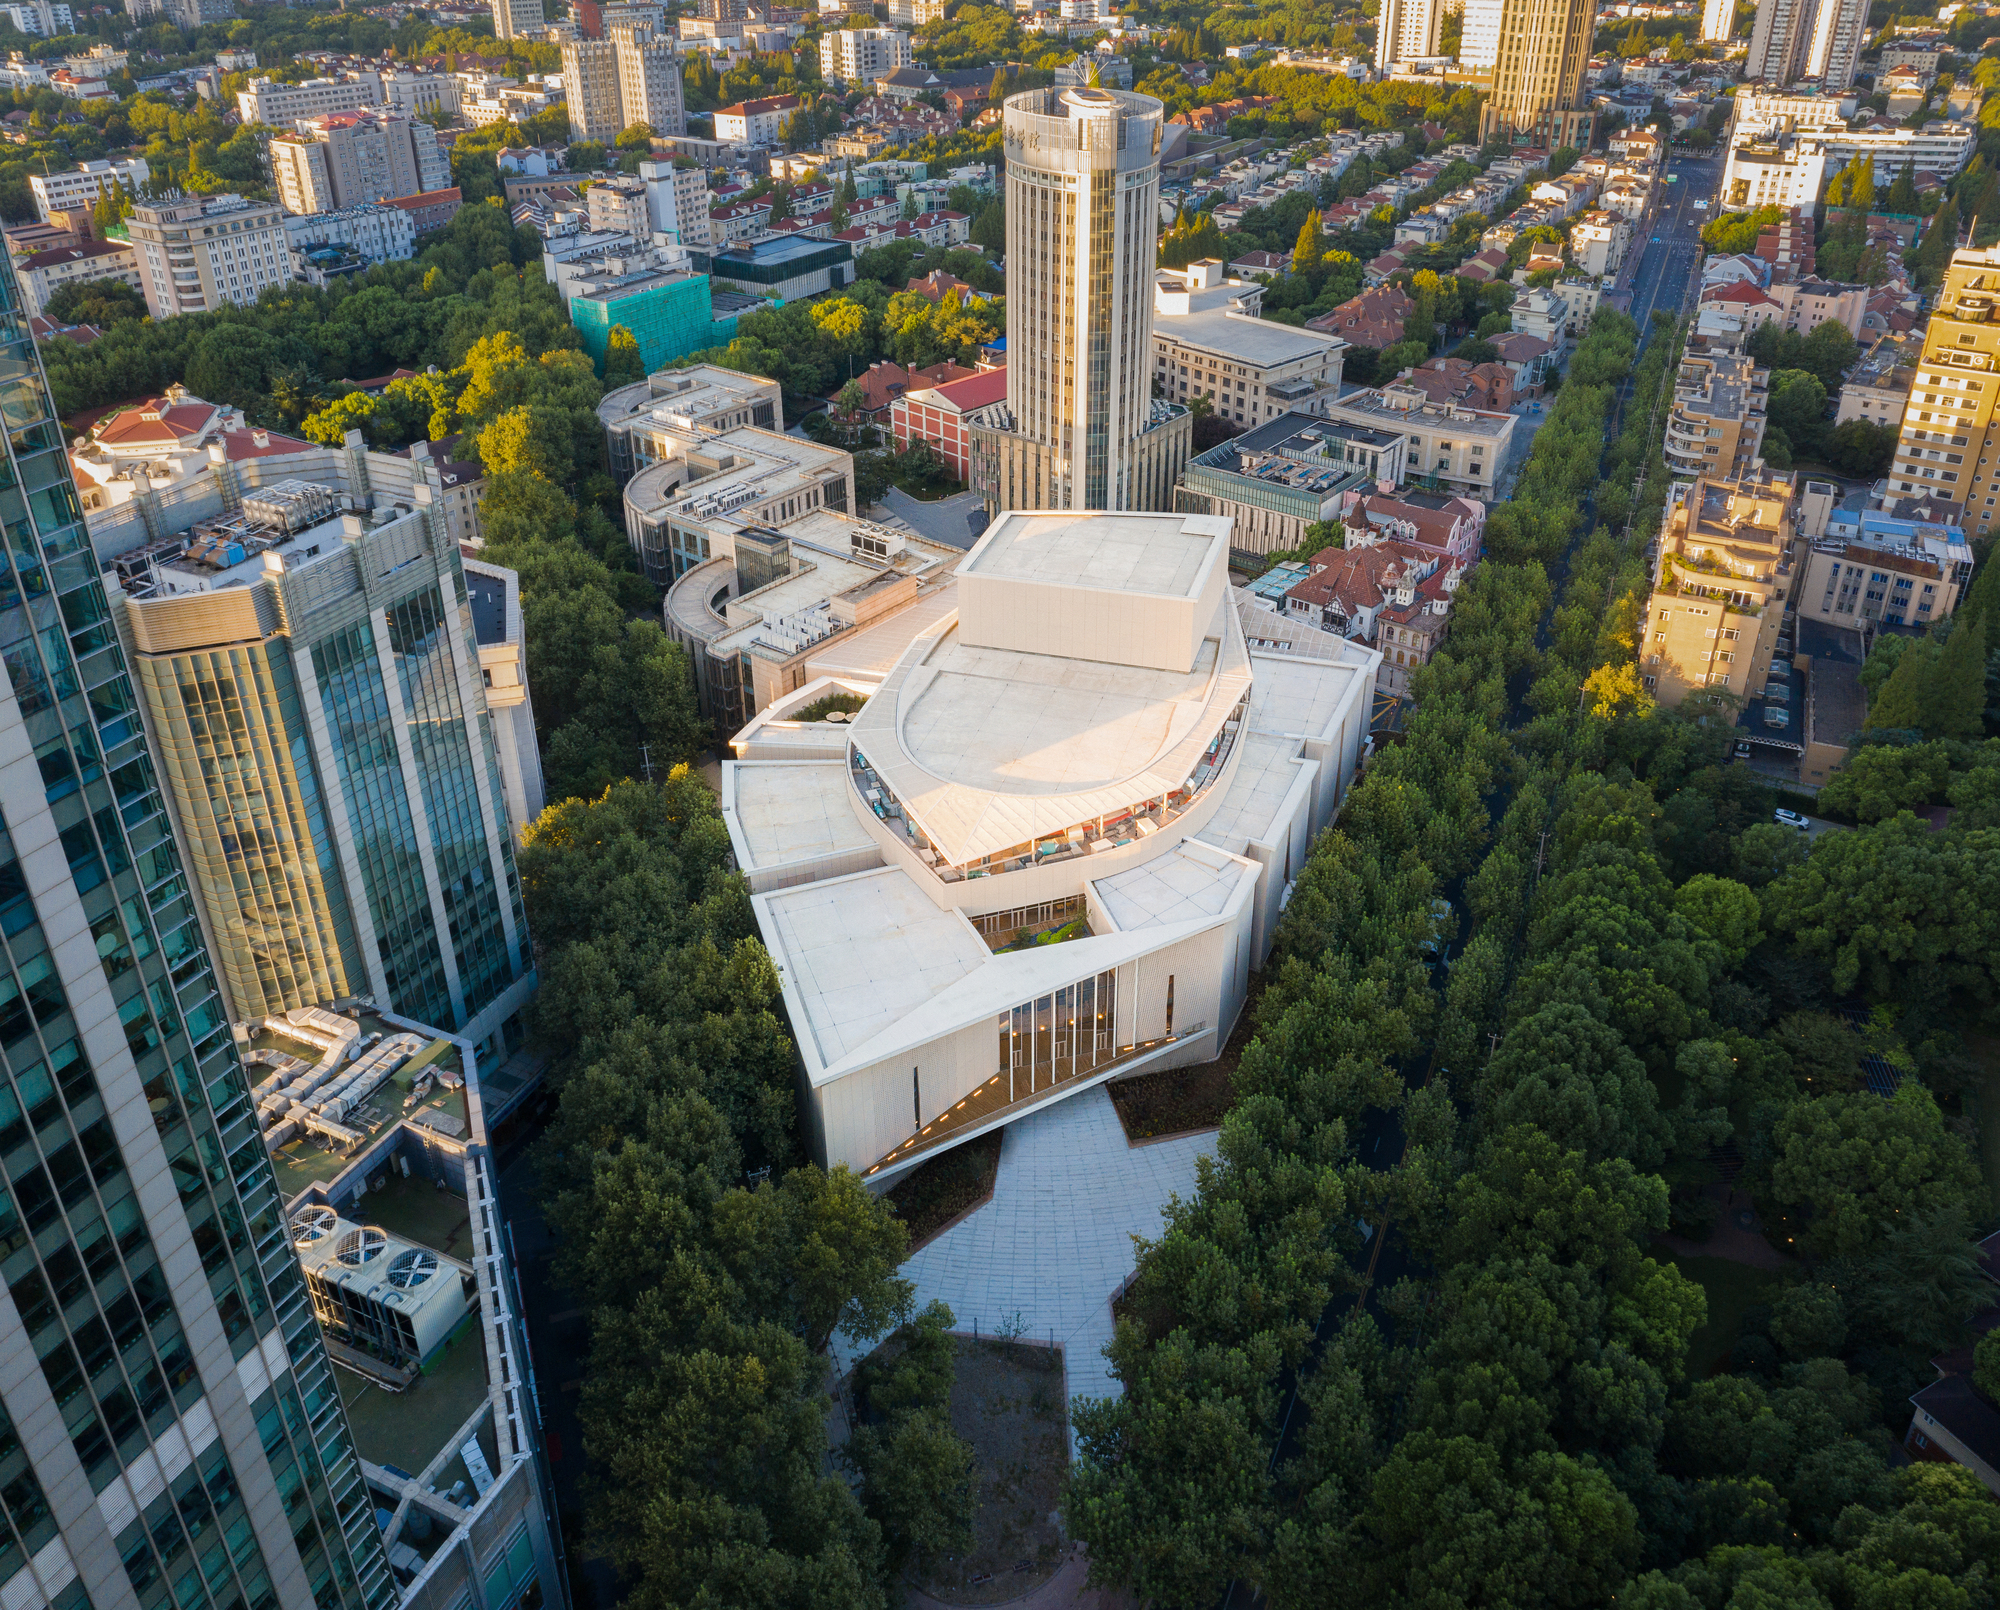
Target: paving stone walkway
x=1048 y=1251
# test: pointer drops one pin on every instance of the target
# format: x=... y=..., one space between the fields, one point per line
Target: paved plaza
x=1047 y=1253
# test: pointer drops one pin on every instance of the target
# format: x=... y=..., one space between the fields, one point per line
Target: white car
x=1785 y=818
x=1701 y=206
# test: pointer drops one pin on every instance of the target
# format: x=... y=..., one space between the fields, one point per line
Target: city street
x=1669 y=251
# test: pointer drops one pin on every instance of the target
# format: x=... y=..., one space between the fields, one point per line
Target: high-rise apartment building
x=1839 y=30
x=1479 y=37
x=1538 y=94
x=517 y=19
x=1718 y=601
x=174 y=1435
x=862 y=55
x=1080 y=427
x=633 y=76
x=355 y=159
x=1780 y=40
x=196 y=254
x=1718 y=20
x=330 y=758
x=1406 y=30
x=1950 y=443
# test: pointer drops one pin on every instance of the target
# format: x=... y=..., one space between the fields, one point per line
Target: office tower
x=1406 y=30
x=1950 y=443
x=634 y=76
x=1838 y=32
x=517 y=19
x=1780 y=41
x=1080 y=428
x=329 y=756
x=1718 y=20
x=355 y=159
x=738 y=10
x=173 y=1432
x=196 y=254
x=1537 y=94
x=1479 y=39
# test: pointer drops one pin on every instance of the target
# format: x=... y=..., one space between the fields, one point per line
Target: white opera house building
x=1051 y=846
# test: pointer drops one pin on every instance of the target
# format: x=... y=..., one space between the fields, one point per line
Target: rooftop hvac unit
x=375 y=1290
x=363 y=1246
x=313 y=1225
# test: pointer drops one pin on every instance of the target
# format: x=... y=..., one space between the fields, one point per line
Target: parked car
x=1743 y=749
x=1785 y=818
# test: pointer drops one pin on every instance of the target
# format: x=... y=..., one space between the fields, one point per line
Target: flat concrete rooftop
x=865 y=951
x=796 y=810
x=1152 y=554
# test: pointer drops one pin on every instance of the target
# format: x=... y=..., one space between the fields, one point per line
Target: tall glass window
x=385 y=834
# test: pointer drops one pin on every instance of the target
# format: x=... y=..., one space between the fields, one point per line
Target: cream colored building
x=1052 y=844
x=704 y=485
x=1458 y=449
x=640 y=420
x=862 y=55
x=631 y=76
x=1716 y=429
x=1081 y=428
x=1950 y=447
x=199 y=253
x=1538 y=74
x=1725 y=568
x=1209 y=341
x=518 y=19
x=45 y=273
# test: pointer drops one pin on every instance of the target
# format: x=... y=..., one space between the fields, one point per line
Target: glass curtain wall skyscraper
x=171 y=1432
x=1080 y=427
x=332 y=765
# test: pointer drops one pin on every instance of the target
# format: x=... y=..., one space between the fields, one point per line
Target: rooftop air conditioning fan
x=362 y=1246
x=314 y=1224
x=411 y=1269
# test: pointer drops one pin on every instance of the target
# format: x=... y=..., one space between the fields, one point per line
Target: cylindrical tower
x=1083 y=186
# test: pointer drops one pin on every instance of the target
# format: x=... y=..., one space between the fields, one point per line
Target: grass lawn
x=1732 y=1288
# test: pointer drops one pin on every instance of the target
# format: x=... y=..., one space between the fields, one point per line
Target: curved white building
x=1053 y=842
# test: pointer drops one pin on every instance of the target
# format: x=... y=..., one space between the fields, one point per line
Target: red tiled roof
x=152 y=421
x=1741 y=291
x=976 y=391
x=769 y=103
x=242 y=443
x=70 y=254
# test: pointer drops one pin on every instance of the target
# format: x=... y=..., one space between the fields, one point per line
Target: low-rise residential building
x=1528 y=358
x=1450 y=447
x=1393 y=597
x=1716 y=428
x=1439 y=523
x=941 y=415
x=1277 y=480
x=1878 y=387
x=47 y=272
x=1599 y=241
x=1900 y=566
x=1725 y=568
x=1253 y=369
x=1374 y=319
x=640 y=419
x=78 y=189
x=1471 y=385
x=1810 y=303
x=381 y=234
x=755 y=122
